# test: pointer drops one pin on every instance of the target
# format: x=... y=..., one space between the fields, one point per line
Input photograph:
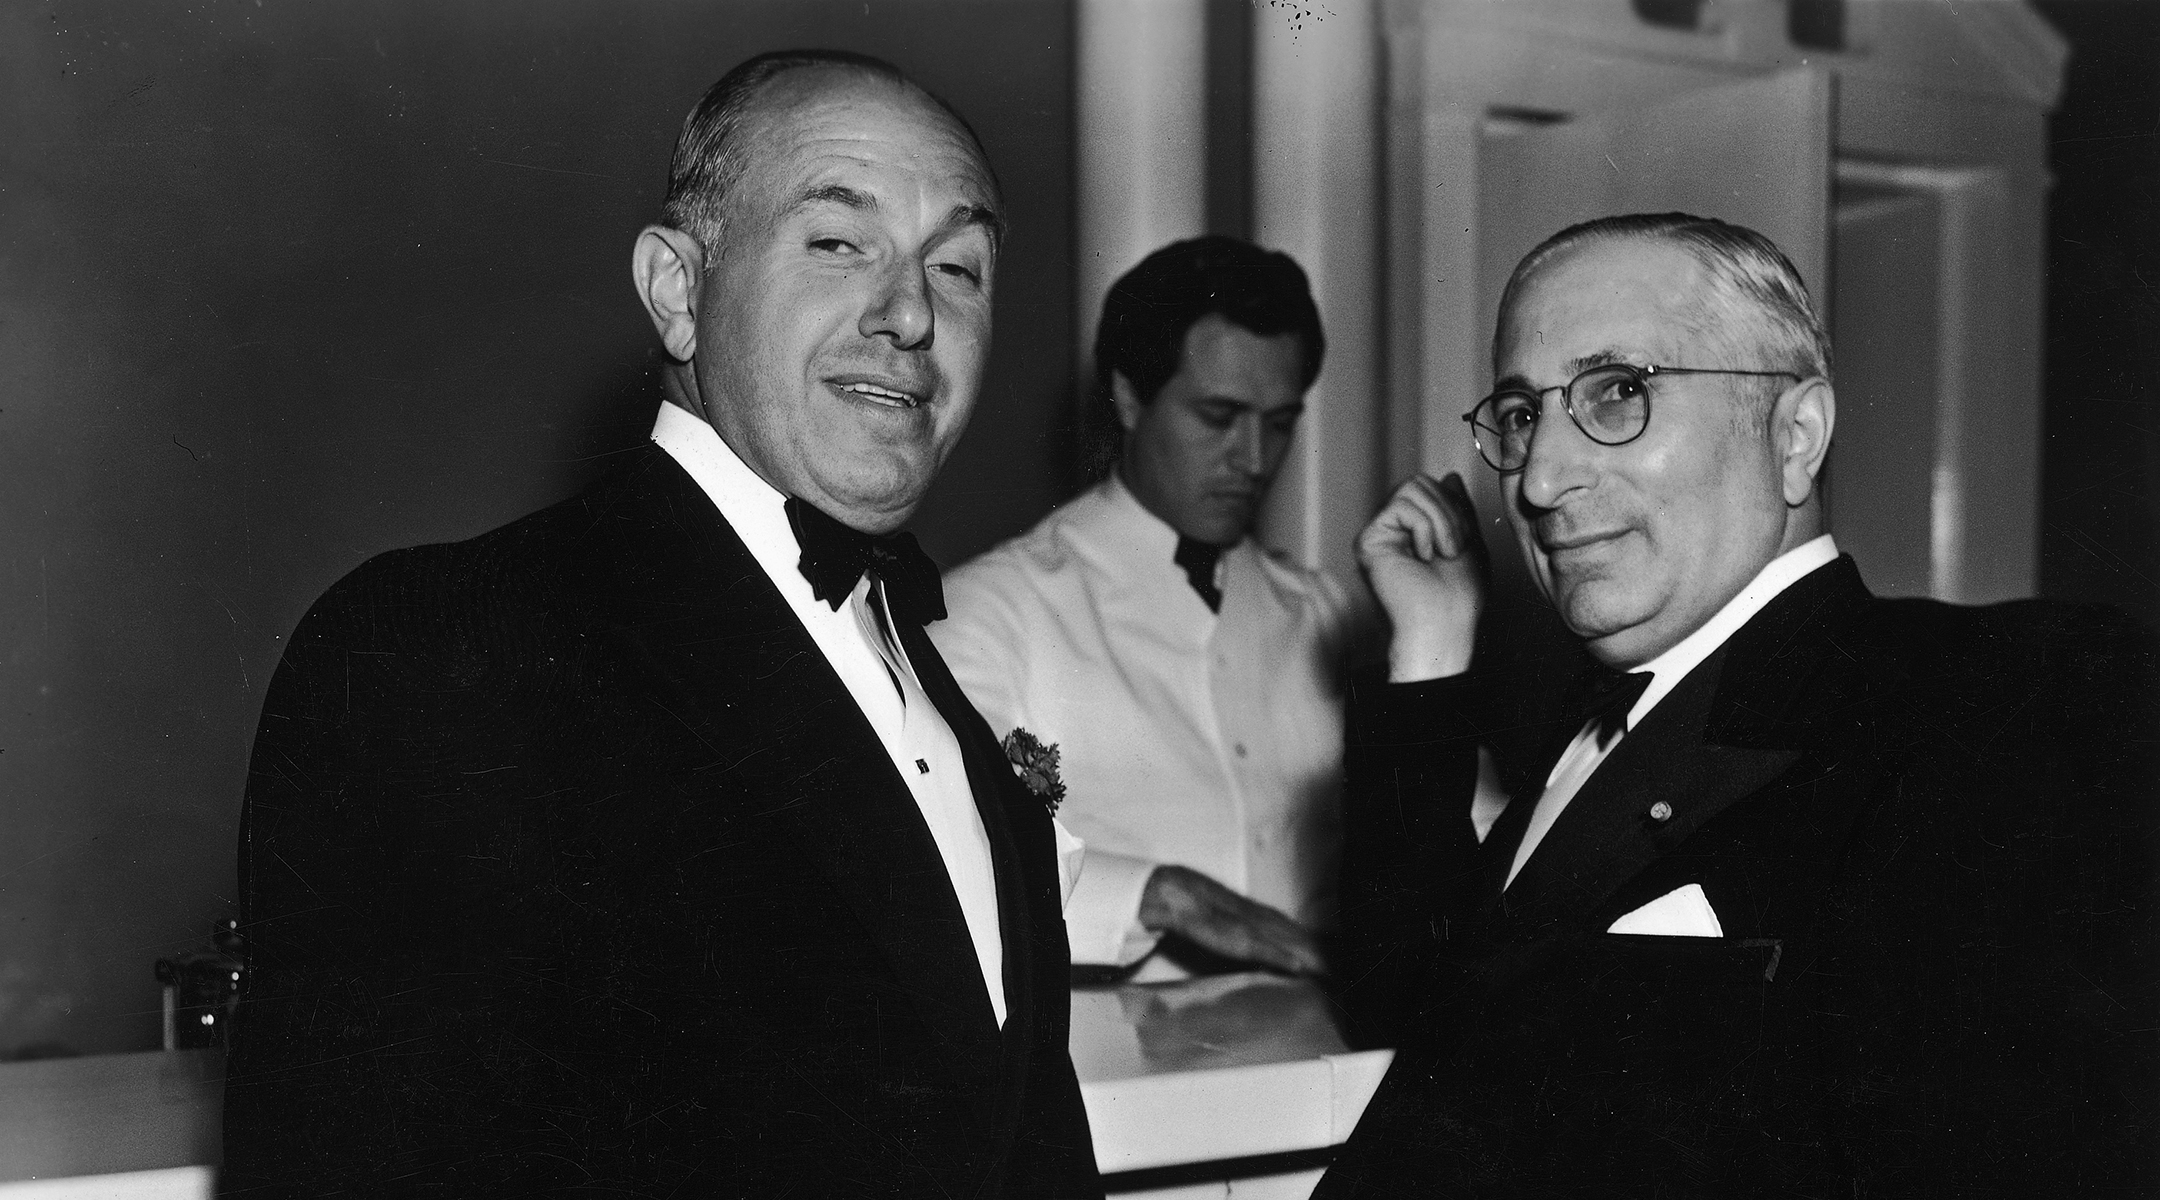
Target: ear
x=1800 y=425
x=668 y=267
x=1127 y=400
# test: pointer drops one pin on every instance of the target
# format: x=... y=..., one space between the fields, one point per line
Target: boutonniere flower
x=1037 y=766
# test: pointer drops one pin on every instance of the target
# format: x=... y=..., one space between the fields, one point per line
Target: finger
x=1463 y=513
x=1447 y=504
x=1268 y=936
x=1413 y=510
x=1287 y=959
x=1447 y=538
x=1299 y=947
x=1434 y=519
x=1421 y=533
x=1401 y=527
x=1230 y=937
x=1444 y=506
x=1262 y=948
x=1291 y=950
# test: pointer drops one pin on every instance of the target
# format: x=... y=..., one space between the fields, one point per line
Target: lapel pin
x=1661 y=812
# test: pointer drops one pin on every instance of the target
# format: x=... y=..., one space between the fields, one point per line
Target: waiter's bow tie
x=1603 y=695
x=835 y=556
x=1199 y=559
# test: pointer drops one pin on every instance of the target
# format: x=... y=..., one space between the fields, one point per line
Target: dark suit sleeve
x=1053 y=1148
x=2003 y=962
x=2110 y=793
x=1410 y=767
x=385 y=1008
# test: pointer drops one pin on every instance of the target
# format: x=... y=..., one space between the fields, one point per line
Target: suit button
x=1661 y=811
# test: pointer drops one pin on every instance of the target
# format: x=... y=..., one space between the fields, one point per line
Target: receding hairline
x=1702 y=315
x=1528 y=273
x=810 y=83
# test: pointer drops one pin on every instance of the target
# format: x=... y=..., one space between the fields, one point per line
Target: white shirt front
x=1583 y=755
x=873 y=667
x=1184 y=737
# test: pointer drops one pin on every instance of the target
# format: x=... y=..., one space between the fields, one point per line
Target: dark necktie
x=835 y=556
x=1199 y=559
x=1604 y=696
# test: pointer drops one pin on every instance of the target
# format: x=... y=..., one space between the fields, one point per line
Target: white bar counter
x=1226 y=1085
x=111 y=1127
x=1229 y=1085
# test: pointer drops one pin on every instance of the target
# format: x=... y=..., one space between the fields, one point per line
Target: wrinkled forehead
x=1641 y=295
x=823 y=117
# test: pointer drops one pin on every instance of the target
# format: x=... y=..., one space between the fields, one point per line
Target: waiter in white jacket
x=1190 y=680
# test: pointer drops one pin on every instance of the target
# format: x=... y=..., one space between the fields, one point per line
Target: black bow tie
x=1199 y=559
x=834 y=556
x=1603 y=695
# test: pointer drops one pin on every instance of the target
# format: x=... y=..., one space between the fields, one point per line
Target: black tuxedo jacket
x=571 y=868
x=1925 y=831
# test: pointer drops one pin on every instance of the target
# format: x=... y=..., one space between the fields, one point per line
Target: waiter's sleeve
x=1102 y=914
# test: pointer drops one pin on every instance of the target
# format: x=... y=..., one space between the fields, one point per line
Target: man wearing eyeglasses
x=1798 y=891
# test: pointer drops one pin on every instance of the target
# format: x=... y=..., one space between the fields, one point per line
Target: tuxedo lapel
x=1608 y=833
x=993 y=785
x=1496 y=854
x=690 y=602
x=991 y=780
x=1733 y=725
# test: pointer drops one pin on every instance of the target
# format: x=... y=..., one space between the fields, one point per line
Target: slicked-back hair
x=710 y=155
x=1759 y=308
x=1149 y=310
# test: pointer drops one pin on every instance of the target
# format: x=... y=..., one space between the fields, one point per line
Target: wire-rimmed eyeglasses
x=1609 y=403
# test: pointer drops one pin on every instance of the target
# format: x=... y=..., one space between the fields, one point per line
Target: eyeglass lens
x=1610 y=404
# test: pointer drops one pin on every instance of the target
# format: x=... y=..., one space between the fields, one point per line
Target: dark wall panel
x=284 y=284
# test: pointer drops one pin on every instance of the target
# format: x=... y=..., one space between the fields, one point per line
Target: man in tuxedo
x=645 y=846
x=1799 y=891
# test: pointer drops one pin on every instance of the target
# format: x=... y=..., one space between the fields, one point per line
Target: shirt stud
x=922 y=766
x=1661 y=811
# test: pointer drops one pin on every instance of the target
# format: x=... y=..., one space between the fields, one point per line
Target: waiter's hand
x=1426 y=562
x=1183 y=901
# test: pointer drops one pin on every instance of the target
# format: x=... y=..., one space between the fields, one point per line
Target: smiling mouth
x=877 y=393
x=1580 y=541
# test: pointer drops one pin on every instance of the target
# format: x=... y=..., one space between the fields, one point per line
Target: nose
x=901 y=310
x=1248 y=452
x=1560 y=460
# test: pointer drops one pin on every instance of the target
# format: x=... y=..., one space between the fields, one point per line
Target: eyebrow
x=834 y=193
x=1597 y=358
x=989 y=219
x=1574 y=366
x=1295 y=408
x=960 y=216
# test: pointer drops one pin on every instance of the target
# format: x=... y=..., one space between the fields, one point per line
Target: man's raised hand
x=1425 y=558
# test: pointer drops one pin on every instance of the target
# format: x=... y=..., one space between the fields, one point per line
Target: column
x=1316 y=196
x=1140 y=132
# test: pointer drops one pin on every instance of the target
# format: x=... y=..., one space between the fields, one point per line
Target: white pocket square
x=1681 y=912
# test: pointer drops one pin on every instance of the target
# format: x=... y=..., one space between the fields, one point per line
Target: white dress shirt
x=874 y=668
x=1583 y=755
x=1184 y=737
